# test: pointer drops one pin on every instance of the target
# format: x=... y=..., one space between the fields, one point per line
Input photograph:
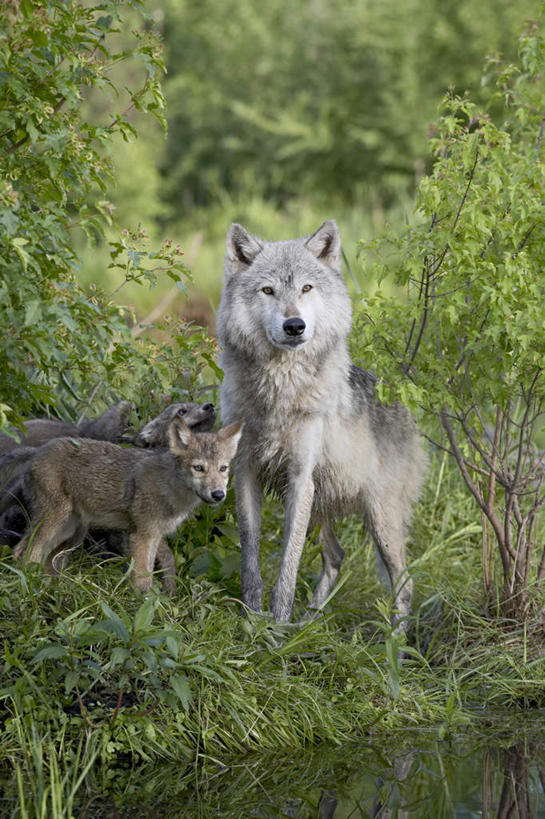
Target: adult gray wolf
x=314 y=431
x=74 y=484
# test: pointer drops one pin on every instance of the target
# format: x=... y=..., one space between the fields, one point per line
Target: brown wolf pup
x=109 y=427
x=75 y=484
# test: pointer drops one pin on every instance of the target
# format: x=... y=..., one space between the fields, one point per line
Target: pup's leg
x=51 y=526
x=248 y=497
x=298 y=509
x=332 y=556
x=143 y=548
x=386 y=526
x=58 y=557
x=165 y=560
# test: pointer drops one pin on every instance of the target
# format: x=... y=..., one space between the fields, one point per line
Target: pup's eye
x=306 y=288
x=223 y=468
x=198 y=467
x=182 y=411
x=267 y=290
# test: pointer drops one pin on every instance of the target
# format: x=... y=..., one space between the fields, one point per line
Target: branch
x=490 y=462
x=490 y=513
x=540 y=137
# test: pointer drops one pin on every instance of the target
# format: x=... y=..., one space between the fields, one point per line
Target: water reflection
x=441 y=780
x=523 y=784
x=467 y=778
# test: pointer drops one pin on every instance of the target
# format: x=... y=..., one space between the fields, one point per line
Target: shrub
x=468 y=342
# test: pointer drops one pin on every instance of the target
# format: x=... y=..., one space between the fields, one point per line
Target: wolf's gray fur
x=314 y=431
x=74 y=484
x=107 y=427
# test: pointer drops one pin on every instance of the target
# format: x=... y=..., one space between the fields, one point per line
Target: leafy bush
x=468 y=343
x=62 y=346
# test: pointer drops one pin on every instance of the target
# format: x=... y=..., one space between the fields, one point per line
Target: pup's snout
x=294 y=326
x=208 y=407
x=217 y=495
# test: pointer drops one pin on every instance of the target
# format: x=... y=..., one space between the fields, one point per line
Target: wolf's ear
x=325 y=244
x=179 y=434
x=241 y=248
x=231 y=434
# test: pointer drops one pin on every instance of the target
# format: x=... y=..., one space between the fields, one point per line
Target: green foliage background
x=284 y=114
x=280 y=115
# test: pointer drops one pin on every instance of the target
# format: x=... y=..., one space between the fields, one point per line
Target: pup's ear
x=231 y=435
x=325 y=244
x=241 y=248
x=179 y=434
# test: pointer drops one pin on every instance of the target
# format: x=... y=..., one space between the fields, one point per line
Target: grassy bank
x=95 y=678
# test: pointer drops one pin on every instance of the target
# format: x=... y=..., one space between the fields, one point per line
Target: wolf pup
x=107 y=427
x=198 y=417
x=314 y=431
x=75 y=484
x=14 y=465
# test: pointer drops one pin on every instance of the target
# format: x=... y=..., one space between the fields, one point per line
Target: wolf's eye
x=182 y=411
x=198 y=467
x=306 y=288
x=267 y=290
x=223 y=468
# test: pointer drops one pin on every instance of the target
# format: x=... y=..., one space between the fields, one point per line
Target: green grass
x=96 y=679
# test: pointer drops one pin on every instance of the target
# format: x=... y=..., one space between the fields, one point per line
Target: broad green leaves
x=467 y=343
x=59 y=343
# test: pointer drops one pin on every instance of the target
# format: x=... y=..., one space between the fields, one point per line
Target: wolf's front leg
x=143 y=548
x=248 y=496
x=298 y=509
x=306 y=444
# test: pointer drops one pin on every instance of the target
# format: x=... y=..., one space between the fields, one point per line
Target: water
x=469 y=777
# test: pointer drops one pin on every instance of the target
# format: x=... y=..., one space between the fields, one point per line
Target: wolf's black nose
x=217 y=495
x=294 y=326
x=208 y=407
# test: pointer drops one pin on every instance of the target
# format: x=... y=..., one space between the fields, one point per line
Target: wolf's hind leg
x=332 y=557
x=50 y=529
x=248 y=497
x=385 y=523
x=58 y=557
x=165 y=560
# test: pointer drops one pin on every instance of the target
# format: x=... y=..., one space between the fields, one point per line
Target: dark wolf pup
x=75 y=484
x=107 y=427
x=314 y=431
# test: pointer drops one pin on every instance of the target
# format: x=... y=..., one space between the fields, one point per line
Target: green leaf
x=50 y=652
x=18 y=244
x=71 y=680
x=119 y=656
x=114 y=623
x=33 y=312
x=144 y=616
x=180 y=684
